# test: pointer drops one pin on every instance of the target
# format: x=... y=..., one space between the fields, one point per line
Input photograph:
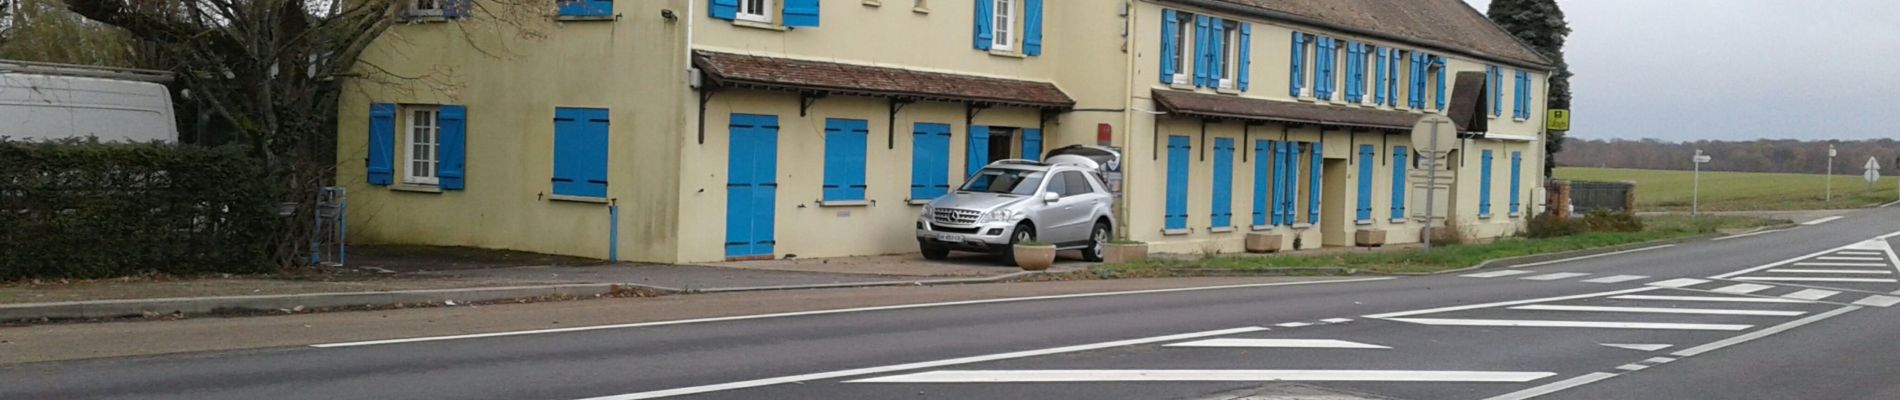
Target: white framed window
x=755 y=11
x=1002 y=28
x=1369 y=75
x=1184 y=26
x=1229 y=53
x=1309 y=76
x=425 y=8
x=424 y=135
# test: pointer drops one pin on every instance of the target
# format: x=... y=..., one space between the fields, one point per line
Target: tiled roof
x=739 y=70
x=1446 y=24
x=1220 y=106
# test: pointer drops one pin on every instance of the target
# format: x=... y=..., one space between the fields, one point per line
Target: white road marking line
x=1278 y=343
x=1811 y=279
x=1679 y=282
x=1743 y=235
x=1839 y=264
x=1710 y=298
x=1878 y=301
x=1741 y=288
x=1565 y=260
x=1507 y=303
x=1242 y=375
x=835 y=311
x=1632 y=367
x=1638 y=347
x=1555 y=387
x=1879 y=243
x=1821 y=221
x=1659 y=360
x=1762 y=333
x=1841 y=258
x=1554 y=276
x=1858 y=253
x=919 y=365
x=1574 y=324
x=1497 y=273
x=1811 y=294
x=1336 y=320
x=1832 y=271
x=1616 y=278
x=1656 y=310
x=1293 y=324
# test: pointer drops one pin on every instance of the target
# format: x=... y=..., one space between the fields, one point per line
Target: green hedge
x=82 y=209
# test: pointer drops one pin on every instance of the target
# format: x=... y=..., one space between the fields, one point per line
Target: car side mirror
x=1050 y=197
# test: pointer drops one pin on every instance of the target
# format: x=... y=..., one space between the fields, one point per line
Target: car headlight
x=1003 y=215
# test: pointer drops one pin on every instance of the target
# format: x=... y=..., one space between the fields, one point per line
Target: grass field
x=1743 y=191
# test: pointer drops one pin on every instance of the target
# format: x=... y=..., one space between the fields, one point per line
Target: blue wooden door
x=1177 y=199
x=1364 y=212
x=752 y=185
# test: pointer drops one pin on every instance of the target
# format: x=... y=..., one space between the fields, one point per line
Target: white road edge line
x=1763 y=332
x=1811 y=279
x=1574 y=324
x=1821 y=221
x=1710 y=298
x=1850 y=258
x=1278 y=343
x=1565 y=260
x=918 y=365
x=1659 y=310
x=1555 y=387
x=1507 y=303
x=1497 y=273
x=1206 y=375
x=833 y=311
x=1832 y=271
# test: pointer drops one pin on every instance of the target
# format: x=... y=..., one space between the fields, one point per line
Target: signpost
x=1873 y=171
x=1695 y=198
x=1430 y=131
x=1830 y=174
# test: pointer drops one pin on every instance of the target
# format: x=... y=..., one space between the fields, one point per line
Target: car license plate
x=949 y=237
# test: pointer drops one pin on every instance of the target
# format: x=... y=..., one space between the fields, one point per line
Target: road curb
x=105 y=309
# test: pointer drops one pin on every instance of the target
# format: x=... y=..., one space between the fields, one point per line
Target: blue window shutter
x=1378 y=76
x=1202 y=43
x=1313 y=186
x=985 y=21
x=1392 y=79
x=1223 y=207
x=1290 y=170
x=1032 y=145
x=1246 y=56
x=1299 y=64
x=1175 y=216
x=455 y=8
x=930 y=161
x=940 y=150
x=1032 y=27
x=1399 y=160
x=1484 y=184
x=724 y=9
x=1439 y=61
x=979 y=150
x=1355 y=52
x=1279 y=181
x=801 y=13
x=1170 y=26
x=382 y=144
x=1419 y=64
x=594 y=148
x=580 y=150
x=1216 y=43
x=1366 y=152
x=1496 y=81
x=452 y=148
x=844 y=159
x=1323 y=80
x=1262 y=151
x=585 y=8
x=1517 y=176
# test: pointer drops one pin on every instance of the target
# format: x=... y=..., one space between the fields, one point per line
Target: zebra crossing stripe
x=1878 y=301
x=1616 y=278
x=1811 y=294
x=1555 y=276
x=1741 y=288
x=1679 y=283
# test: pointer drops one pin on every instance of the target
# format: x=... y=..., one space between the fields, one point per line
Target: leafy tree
x=42 y=30
x=1540 y=24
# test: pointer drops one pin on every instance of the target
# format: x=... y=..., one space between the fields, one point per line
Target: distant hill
x=1789 y=156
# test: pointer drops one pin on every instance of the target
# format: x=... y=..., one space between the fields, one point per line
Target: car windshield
x=1004 y=181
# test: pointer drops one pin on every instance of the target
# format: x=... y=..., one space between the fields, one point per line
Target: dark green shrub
x=1606 y=221
x=1547 y=225
x=82 y=209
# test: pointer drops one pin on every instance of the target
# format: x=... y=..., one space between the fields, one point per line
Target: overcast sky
x=1733 y=69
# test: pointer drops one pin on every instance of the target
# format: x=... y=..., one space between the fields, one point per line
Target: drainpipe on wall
x=613 y=230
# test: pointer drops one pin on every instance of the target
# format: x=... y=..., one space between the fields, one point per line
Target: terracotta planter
x=1259 y=242
x=1121 y=253
x=1035 y=258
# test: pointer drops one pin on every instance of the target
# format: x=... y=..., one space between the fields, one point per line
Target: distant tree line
x=1782 y=155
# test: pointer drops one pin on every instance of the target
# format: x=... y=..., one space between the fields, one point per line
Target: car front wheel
x=1098 y=243
x=1023 y=233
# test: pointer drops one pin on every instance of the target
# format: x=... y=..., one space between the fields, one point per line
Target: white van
x=53 y=101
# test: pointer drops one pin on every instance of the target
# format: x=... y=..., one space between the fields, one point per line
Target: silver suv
x=1064 y=201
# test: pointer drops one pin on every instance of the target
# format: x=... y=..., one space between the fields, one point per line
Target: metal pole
x=1695 y=202
x=1431 y=186
x=1830 y=175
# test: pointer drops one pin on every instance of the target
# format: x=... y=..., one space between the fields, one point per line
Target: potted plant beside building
x=1124 y=250
x=1034 y=256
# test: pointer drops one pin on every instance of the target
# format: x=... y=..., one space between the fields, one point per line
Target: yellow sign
x=1559 y=120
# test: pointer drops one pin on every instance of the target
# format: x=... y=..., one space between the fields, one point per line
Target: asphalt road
x=1802 y=313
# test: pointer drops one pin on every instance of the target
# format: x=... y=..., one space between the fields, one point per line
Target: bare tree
x=272 y=70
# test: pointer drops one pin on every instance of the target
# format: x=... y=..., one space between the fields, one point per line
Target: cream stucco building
x=706 y=130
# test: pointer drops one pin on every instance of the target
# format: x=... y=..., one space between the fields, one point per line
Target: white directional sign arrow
x=1872 y=164
x=1873 y=170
